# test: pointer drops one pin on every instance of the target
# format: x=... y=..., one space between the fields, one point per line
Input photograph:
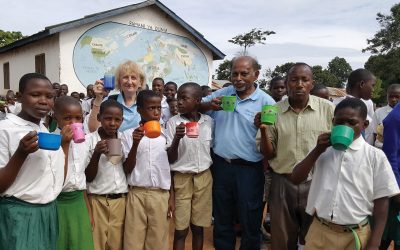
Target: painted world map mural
x=103 y=47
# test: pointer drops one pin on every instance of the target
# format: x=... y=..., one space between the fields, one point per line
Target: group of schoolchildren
x=80 y=197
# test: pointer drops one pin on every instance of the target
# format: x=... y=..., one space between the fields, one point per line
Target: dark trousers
x=237 y=190
x=289 y=221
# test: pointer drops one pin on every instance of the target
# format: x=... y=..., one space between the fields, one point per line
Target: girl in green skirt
x=30 y=178
x=75 y=230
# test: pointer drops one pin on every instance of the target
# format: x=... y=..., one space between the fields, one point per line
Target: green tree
x=223 y=72
x=7 y=37
x=377 y=94
x=323 y=76
x=281 y=70
x=388 y=37
x=341 y=69
x=251 y=38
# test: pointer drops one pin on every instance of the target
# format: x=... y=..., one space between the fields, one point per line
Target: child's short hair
x=110 y=103
x=353 y=103
x=64 y=101
x=126 y=68
x=196 y=87
x=27 y=77
x=394 y=86
x=172 y=100
x=172 y=83
x=144 y=95
x=357 y=76
x=158 y=79
x=317 y=87
x=299 y=64
x=274 y=80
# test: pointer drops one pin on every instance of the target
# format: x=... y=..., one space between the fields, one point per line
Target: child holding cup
x=190 y=160
x=106 y=180
x=74 y=212
x=148 y=203
x=30 y=178
x=348 y=186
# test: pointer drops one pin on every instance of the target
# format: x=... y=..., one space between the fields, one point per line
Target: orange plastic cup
x=152 y=129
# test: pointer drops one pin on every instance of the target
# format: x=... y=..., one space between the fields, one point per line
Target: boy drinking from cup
x=75 y=230
x=348 y=186
x=107 y=186
x=190 y=162
x=30 y=178
x=149 y=178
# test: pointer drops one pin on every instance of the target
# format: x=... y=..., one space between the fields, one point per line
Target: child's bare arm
x=130 y=161
x=303 y=168
x=93 y=123
x=27 y=145
x=93 y=166
x=172 y=151
x=171 y=200
x=379 y=216
x=266 y=147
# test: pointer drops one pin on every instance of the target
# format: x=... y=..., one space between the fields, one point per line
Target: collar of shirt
x=120 y=99
x=357 y=144
x=311 y=103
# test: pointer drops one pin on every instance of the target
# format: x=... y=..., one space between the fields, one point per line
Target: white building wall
x=150 y=16
x=22 y=61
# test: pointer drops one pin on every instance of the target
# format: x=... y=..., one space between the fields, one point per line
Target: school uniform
x=341 y=198
x=107 y=196
x=192 y=175
x=28 y=214
x=391 y=147
x=73 y=217
x=377 y=124
x=165 y=112
x=149 y=182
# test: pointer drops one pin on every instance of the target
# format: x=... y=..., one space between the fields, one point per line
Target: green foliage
x=323 y=76
x=223 y=72
x=388 y=37
x=340 y=69
x=280 y=70
x=7 y=37
x=251 y=38
x=377 y=95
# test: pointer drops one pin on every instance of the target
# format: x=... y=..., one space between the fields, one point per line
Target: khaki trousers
x=146 y=223
x=109 y=216
x=322 y=237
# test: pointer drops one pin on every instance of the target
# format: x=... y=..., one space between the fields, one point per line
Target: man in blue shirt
x=237 y=170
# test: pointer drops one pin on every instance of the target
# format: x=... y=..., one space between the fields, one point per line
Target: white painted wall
x=150 y=16
x=22 y=61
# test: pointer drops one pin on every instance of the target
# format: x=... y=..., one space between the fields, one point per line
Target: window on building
x=40 y=64
x=6 y=74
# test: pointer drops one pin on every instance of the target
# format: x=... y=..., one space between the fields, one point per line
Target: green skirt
x=75 y=231
x=27 y=226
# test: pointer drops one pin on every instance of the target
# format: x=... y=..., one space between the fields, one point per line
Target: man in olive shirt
x=301 y=119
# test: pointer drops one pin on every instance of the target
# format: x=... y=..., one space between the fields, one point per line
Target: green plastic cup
x=341 y=137
x=228 y=103
x=269 y=114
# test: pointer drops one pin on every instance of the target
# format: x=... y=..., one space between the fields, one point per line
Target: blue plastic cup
x=49 y=141
x=109 y=82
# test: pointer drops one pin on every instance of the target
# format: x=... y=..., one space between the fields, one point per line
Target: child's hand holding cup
x=29 y=143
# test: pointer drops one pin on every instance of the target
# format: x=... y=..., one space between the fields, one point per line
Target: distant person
x=321 y=91
x=349 y=188
x=170 y=89
x=128 y=78
x=392 y=97
x=173 y=106
x=82 y=96
x=63 y=90
x=206 y=90
x=360 y=84
x=158 y=87
x=76 y=96
x=12 y=105
x=277 y=88
x=56 y=87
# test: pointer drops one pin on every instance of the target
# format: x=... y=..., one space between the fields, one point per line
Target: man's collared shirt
x=346 y=183
x=295 y=134
x=234 y=132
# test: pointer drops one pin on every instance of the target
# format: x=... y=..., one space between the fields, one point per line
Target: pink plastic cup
x=192 y=129
x=79 y=134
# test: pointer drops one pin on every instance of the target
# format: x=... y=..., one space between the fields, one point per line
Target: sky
x=311 y=31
